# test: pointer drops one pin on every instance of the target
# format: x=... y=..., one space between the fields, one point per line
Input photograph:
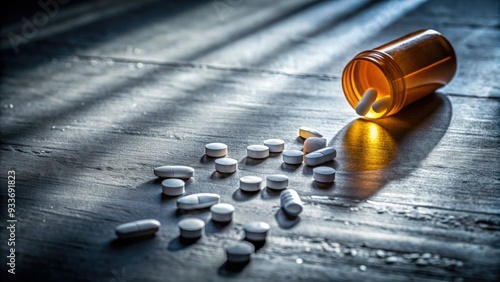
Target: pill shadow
x=269 y=194
x=181 y=243
x=231 y=269
x=308 y=170
x=203 y=213
x=324 y=186
x=290 y=167
x=273 y=155
x=286 y=221
x=167 y=198
x=242 y=196
x=216 y=227
x=120 y=243
x=208 y=160
x=375 y=152
x=151 y=184
x=300 y=140
x=257 y=244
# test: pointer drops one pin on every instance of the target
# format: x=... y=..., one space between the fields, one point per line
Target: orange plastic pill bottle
x=402 y=71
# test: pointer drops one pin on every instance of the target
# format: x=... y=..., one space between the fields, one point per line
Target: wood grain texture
x=88 y=113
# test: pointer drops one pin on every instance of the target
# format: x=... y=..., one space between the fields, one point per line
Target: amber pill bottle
x=402 y=71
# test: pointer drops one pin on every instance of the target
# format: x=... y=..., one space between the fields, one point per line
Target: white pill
x=381 y=105
x=173 y=187
x=324 y=174
x=256 y=230
x=250 y=183
x=275 y=145
x=137 y=228
x=222 y=212
x=290 y=202
x=365 y=104
x=293 y=156
x=306 y=132
x=198 y=201
x=239 y=252
x=216 y=150
x=174 y=171
x=191 y=228
x=313 y=144
x=257 y=151
x=226 y=165
x=321 y=156
x=277 y=181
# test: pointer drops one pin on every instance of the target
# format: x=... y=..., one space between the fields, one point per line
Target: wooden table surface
x=106 y=91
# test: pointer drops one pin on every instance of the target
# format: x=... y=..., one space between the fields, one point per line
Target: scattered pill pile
x=314 y=153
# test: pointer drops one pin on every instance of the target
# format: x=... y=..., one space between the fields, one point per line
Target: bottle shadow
x=375 y=152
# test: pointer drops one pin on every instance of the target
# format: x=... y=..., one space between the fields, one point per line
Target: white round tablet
x=275 y=145
x=216 y=150
x=173 y=187
x=256 y=230
x=293 y=156
x=257 y=151
x=277 y=181
x=250 y=183
x=226 y=165
x=306 y=132
x=313 y=144
x=222 y=212
x=239 y=252
x=191 y=228
x=324 y=174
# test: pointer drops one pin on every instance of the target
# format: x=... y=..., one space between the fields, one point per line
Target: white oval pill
x=191 y=228
x=321 y=156
x=306 y=132
x=381 y=105
x=226 y=165
x=256 y=230
x=257 y=151
x=174 y=171
x=313 y=144
x=293 y=156
x=222 y=212
x=198 y=201
x=216 y=150
x=250 y=183
x=137 y=228
x=239 y=252
x=290 y=202
x=365 y=104
x=275 y=145
x=277 y=181
x=173 y=187
x=324 y=174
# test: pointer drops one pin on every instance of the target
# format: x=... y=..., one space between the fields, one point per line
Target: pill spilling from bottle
x=369 y=102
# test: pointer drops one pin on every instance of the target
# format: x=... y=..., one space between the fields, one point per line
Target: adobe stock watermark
x=30 y=28
x=225 y=8
x=122 y=276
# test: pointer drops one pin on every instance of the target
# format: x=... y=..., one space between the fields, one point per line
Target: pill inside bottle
x=382 y=81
